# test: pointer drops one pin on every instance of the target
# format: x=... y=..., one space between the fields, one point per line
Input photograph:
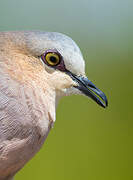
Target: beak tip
x=105 y=104
x=90 y=90
x=102 y=101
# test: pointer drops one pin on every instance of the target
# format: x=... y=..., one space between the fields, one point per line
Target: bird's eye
x=51 y=58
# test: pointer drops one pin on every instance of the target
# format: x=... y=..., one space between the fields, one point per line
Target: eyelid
x=60 y=66
x=54 y=51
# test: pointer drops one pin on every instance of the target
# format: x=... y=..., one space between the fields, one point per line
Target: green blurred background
x=87 y=142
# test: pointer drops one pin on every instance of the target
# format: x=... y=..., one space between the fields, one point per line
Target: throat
x=41 y=105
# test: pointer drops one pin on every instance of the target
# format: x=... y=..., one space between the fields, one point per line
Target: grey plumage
x=30 y=90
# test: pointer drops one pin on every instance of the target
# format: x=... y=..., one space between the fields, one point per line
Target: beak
x=89 y=89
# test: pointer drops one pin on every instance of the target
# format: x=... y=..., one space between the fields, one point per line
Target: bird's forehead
x=39 y=42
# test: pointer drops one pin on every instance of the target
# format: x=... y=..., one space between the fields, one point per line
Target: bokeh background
x=87 y=141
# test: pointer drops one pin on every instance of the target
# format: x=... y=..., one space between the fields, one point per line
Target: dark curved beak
x=89 y=89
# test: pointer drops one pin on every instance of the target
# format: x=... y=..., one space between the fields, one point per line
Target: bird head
x=58 y=60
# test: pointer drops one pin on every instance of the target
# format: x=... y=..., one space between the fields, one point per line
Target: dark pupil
x=53 y=59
